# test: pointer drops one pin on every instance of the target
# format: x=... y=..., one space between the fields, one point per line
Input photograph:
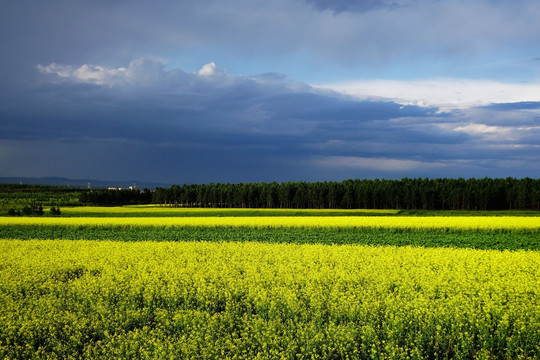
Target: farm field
x=251 y=300
x=306 y=285
x=156 y=210
x=168 y=211
x=386 y=222
x=485 y=239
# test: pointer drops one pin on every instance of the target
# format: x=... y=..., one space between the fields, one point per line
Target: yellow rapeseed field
x=402 y=222
x=204 y=300
x=155 y=209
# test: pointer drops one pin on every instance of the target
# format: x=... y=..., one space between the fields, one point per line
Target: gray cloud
x=452 y=32
x=74 y=103
x=143 y=121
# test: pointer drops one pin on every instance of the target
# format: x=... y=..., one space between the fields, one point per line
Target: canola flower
x=155 y=209
x=208 y=300
x=402 y=222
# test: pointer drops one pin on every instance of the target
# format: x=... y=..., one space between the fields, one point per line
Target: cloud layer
x=312 y=38
x=147 y=122
x=179 y=91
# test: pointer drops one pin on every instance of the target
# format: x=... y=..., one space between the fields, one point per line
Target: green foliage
x=409 y=194
x=116 y=197
x=498 y=240
x=55 y=211
x=14 y=212
x=18 y=196
x=426 y=194
x=33 y=209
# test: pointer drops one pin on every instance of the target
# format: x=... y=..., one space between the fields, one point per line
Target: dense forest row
x=428 y=194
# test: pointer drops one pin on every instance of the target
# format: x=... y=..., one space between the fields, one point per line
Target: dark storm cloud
x=147 y=122
x=74 y=103
x=96 y=102
x=202 y=121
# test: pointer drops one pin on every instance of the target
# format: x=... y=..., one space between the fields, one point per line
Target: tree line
x=406 y=193
x=421 y=193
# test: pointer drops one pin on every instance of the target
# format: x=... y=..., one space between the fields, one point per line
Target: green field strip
x=167 y=211
x=499 y=240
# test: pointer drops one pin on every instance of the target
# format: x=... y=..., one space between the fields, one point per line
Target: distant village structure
x=131 y=187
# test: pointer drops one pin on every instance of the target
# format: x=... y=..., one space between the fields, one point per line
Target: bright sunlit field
x=251 y=300
x=250 y=286
x=401 y=222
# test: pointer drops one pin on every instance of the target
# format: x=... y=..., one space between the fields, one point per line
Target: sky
x=284 y=90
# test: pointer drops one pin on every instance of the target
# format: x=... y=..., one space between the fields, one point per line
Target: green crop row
x=499 y=240
x=165 y=211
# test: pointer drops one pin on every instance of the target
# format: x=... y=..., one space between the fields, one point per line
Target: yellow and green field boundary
x=156 y=282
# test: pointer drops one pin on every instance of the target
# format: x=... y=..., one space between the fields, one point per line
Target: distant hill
x=59 y=181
